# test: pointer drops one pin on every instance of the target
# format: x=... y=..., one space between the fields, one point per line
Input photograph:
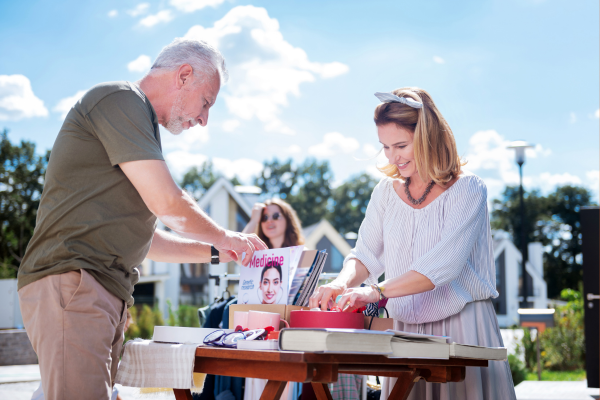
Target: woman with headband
x=427 y=228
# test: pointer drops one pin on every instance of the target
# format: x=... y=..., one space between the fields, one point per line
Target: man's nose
x=203 y=119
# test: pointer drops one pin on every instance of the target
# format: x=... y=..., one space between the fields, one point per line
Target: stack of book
x=305 y=276
x=390 y=343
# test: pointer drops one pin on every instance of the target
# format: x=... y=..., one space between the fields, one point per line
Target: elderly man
x=106 y=185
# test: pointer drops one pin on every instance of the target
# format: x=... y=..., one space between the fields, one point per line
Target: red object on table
x=326 y=319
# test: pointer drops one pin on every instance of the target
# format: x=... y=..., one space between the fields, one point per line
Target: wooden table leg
x=404 y=385
x=182 y=394
x=273 y=390
x=321 y=391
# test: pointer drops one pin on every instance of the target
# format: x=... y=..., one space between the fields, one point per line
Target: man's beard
x=176 y=120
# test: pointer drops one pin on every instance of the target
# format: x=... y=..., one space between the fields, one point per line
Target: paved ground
x=18 y=382
x=546 y=390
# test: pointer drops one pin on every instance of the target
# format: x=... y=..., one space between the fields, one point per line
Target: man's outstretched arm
x=168 y=247
x=177 y=210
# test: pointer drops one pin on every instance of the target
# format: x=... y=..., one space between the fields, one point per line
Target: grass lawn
x=577 y=375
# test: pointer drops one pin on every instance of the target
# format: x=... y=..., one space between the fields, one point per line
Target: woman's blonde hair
x=293 y=230
x=436 y=156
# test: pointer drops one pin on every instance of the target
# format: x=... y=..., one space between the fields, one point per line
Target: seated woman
x=427 y=228
x=277 y=224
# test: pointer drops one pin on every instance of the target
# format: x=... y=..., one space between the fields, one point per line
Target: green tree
x=563 y=262
x=277 y=178
x=198 y=180
x=21 y=183
x=552 y=220
x=311 y=199
x=506 y=215
x=350 y=201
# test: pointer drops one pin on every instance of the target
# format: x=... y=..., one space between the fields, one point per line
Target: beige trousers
x=76 y=328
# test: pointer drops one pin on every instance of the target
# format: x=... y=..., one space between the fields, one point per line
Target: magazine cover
x=265 y=280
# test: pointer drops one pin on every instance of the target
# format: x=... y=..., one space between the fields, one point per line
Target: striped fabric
x=449 y=241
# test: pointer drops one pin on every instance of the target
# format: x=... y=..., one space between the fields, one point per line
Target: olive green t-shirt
x=90 y=215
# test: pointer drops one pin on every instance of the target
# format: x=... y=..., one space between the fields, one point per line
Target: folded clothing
x=146 y=364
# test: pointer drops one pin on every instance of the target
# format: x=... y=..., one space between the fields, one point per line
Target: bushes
x=145 y=320
x=564 y=345
x=517 y=369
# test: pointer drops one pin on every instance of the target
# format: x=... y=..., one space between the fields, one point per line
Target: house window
x=530 y=289
x=500 y=301
x=337 y=259
x=241 y=219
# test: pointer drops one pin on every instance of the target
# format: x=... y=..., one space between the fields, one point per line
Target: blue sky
x=303 y=74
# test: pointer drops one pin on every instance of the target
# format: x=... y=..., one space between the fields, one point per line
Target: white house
x=508 y=279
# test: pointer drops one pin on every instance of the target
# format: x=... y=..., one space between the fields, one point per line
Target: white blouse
x=449 y=241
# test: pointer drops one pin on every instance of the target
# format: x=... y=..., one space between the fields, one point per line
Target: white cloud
x=370 y=150
x=294 y=149
x=181 y=161
x=243 y=168
x=438 y=60
x=594 y=180
x=334 y=143
x=17 y=100
x=572 y=117
x=184 y=151
x=230 y=125
x=161 y=16
x=597 y=113
x=65 y=105
x=140 y=9
x=264 y=68
x=140 y=64
x=194 y=5
x=489 y=157
x=191 y=140
x=548 y=181
x=113 y=13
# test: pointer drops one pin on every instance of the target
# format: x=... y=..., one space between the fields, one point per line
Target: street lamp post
x=520 y=147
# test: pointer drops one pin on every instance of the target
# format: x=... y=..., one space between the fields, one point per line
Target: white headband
x=392 y=98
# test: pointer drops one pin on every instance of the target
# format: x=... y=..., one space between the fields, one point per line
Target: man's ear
x=184 y=75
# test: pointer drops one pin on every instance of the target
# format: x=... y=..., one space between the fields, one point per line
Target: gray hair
x=202 y=57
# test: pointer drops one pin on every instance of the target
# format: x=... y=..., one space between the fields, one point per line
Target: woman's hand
x=257 y=210
x=325 y=295
x=354 y=298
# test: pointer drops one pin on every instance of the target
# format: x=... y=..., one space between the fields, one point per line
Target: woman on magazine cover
x=427 y=228
x=270 y=284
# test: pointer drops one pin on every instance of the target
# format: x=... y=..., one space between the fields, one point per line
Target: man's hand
x=234 y=244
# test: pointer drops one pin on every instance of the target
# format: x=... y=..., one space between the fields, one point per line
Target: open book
x=391 y=343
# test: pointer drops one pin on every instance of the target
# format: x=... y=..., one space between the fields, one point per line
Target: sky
x=303 y=74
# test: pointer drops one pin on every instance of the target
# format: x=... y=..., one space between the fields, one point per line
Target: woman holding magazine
x=276 y=222
x=427 y=228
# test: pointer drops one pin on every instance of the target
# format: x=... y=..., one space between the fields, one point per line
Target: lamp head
x=520 y=146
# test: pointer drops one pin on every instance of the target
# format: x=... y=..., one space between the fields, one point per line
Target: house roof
x=223 y=183
x=314 y=233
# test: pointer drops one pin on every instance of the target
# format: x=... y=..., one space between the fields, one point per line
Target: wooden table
x=280 y=367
